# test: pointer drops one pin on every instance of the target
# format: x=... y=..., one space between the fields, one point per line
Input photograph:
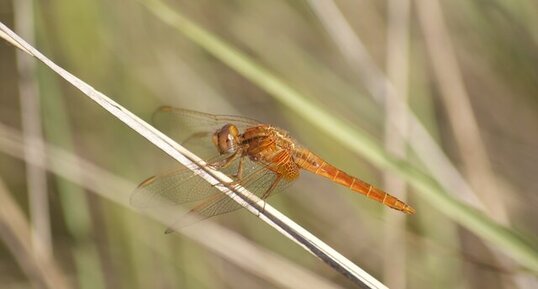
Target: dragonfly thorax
x=226 y=139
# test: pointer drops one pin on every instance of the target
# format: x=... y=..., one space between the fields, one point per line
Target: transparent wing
x=177 y=186
x=218 y=203
x=183 y=186
x=195 y=129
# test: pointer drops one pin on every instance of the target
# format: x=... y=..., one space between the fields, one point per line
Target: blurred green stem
x=72 y=197
x=353 y=138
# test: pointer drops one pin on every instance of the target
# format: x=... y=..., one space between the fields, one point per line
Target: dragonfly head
x=226 y=139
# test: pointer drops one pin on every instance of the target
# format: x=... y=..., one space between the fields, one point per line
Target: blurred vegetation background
x=467 y=69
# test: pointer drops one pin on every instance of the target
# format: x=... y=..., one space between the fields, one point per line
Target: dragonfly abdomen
x=316 y=165
x=374 y=193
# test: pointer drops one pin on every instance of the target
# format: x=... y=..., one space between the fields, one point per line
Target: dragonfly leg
x=250 y=177
x=225 y=162
x=239 y=175
x=269 y=190
x=272 y=187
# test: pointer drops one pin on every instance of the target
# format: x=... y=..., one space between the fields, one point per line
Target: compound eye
x=226 y=139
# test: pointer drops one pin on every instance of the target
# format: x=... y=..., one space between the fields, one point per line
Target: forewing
x=219 y=203
x=195 y=129
x=175 y=187
x=256 y=178
x=182 y=185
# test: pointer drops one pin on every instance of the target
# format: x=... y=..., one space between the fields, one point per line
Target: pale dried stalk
x=463 y=121
x=246 y=199
x=397 y=72
x=32 y=128
x=223 y=242
x=381 y=89
x=460 y=112
x=15 y=232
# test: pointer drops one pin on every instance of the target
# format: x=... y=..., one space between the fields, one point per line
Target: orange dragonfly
x=262 y=158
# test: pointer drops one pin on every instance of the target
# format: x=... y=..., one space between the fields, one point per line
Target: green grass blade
x=505 y=238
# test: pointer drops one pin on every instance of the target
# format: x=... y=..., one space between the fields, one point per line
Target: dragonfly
x=262 y=158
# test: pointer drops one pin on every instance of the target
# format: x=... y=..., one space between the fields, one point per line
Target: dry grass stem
x=381 y=88
x=264 y=211
x=221 y=241
x=460 y=112
x=16 y=234
x=397 y=72
x=32 y=128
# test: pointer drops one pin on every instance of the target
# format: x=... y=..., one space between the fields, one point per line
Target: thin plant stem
x=460 y=113
x=16 y=233
x=477 y=165
x=223 y=242
x=512 y=243
x=381 y=88
x=217 y=179
x=32 y=128
x=397 y=71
